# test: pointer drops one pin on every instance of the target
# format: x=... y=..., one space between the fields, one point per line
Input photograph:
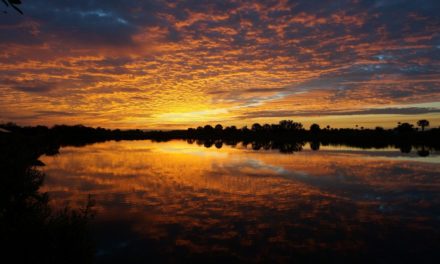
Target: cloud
x=133 y=61
x=376 y=111
x=35 y=88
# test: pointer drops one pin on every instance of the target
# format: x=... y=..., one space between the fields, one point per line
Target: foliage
x=13 y=4
x=31 y=231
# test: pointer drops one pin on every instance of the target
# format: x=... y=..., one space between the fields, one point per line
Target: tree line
x=283 y=131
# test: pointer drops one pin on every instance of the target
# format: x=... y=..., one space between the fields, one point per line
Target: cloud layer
x=169 y=64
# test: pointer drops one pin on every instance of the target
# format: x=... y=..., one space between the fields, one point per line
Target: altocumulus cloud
x=134 y=62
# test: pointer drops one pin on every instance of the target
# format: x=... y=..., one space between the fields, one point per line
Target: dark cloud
x=36 y=88
x=55 y=113
x=374 y=111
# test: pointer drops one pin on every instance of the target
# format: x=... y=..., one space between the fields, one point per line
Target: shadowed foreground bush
x=30 y=230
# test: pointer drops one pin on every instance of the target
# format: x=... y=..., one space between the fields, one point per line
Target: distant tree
x=285 y=124
x=230 y=130
x=423 y=123
x=266 y=127
x=274 y=127
x=404 y=128
x=379 y=129
x=10 y=126
x=208 y=128
x=256 y=127
x=290 y=125
x=297 y=126
x=218 y=127
x=314 y=128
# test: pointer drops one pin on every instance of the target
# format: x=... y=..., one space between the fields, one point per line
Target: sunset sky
x=175 y=64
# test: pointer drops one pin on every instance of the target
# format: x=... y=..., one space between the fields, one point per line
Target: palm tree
x=423 y=123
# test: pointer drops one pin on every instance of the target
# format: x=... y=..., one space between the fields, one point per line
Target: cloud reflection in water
x=173 y=200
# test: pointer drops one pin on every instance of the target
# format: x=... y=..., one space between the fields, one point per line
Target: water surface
x=173 y=200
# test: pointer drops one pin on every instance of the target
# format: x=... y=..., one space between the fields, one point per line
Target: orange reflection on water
x=207 y=200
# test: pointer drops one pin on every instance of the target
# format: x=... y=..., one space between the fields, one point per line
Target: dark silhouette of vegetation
x=315 y=128
x=403 y=136
x=30 y=230
x=13 y=4
x=287 y=132
x=315 y=145
x=423 y=123
x=404 y=128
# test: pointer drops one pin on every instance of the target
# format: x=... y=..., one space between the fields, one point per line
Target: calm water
x=174 y=200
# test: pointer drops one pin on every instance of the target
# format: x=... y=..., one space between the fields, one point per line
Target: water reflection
x=295 y=146
x=228 y=202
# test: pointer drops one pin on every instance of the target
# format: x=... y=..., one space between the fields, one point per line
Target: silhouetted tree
x=230 y=130
x=218 y=128
x=13 y=4
x=404 y=128
x=30 y=230
x=423 y=123
x=256 y=127
x=290 y=125
x=208 y=128
x=314 y=128
x=274 y=127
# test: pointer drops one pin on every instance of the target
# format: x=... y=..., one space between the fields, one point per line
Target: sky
x=177 y=64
